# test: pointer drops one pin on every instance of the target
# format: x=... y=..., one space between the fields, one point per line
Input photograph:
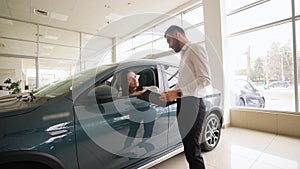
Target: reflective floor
x=244 y=149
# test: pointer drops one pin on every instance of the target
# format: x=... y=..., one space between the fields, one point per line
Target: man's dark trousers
x=190 y=116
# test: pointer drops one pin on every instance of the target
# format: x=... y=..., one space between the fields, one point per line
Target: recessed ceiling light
x=59 y=16
x=113 y=17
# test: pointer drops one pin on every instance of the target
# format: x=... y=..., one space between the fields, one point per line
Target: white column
x=213 y=27
x=114 y=50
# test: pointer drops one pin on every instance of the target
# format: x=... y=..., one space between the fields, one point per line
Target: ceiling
x=92 y=16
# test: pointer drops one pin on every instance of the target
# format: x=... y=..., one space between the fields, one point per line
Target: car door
x=114 y=131
x=170 y=74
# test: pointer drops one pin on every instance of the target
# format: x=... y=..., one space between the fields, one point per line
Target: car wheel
x=242 y=103
x=211 y=132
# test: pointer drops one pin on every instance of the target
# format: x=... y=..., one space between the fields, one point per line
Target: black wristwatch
x=179 y=93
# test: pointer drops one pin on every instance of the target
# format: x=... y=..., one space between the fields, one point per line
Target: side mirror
x=103 y=92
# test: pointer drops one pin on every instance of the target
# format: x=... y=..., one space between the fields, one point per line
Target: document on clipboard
x=153 y=97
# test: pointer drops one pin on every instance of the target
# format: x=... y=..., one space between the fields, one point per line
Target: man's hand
x=169 y=96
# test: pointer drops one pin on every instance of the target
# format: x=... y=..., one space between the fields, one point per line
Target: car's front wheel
x=262 y=104
x=211 y=132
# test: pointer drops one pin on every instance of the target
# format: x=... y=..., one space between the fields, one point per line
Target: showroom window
x=17 y=69
x=151 y=43
x=95 y=50
x=260 y=48
x=298 y=52
x=52 y=70
x=17 y=47
x=297 y=7
x=18 y=30
x=192 y=17
x=54 y=53
x=248 y=18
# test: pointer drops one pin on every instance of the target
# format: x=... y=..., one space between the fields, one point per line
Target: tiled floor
x=245 y=149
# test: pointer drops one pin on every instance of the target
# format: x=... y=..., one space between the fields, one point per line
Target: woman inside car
x=141 y=111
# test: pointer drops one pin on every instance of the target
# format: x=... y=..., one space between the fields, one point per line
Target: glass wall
x=151 y=43
x=264 y=13
x=18 y=30
x=260 y=48
x=297 y=7
x=95 y=50
x=17 y=69
x=17 y=47
x=56 y=52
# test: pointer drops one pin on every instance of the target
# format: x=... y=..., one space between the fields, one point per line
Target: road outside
x=278 y=98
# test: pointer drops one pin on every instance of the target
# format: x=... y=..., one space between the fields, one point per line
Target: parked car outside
x=279 y=84
x=83 y=122
x=246 y=95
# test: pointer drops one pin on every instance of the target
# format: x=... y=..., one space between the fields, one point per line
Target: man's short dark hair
x=174 y=28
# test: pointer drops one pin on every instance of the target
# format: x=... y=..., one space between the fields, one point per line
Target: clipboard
x=153 y=97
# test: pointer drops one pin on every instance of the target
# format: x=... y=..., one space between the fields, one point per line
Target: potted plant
x=14 y=86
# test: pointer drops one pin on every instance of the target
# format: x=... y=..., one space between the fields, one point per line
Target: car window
x=147 y=76
x=243 y=85
x=248 y=86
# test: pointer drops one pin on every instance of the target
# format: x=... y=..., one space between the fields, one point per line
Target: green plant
x=14 y=86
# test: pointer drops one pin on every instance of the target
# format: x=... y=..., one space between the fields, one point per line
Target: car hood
x=14 y=105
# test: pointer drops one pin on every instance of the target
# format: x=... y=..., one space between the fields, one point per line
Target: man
x=194 y=76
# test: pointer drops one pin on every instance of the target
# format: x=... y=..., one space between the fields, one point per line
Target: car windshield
x=61 y=87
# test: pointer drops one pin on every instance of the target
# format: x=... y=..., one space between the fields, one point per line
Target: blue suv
x=83 y=122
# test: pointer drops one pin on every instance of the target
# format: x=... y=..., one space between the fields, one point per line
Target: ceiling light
x=59 y=16
x=113 y=17
x=40 y=12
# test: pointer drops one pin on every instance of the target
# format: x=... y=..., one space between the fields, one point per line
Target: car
x=83 y=122
x=246 y=95
x=279 y=84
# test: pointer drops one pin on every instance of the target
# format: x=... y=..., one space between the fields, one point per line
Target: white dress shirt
x=194 y=72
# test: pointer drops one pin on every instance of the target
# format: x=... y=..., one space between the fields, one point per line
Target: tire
x=262 y=104
x=211 y=132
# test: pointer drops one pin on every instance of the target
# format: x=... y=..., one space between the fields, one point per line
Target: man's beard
x=177 y=47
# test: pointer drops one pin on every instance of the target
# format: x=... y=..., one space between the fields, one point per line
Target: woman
x=131 y=86
x=140 y=113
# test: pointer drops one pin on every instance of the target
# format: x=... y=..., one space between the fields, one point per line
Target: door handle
x=58 y=132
